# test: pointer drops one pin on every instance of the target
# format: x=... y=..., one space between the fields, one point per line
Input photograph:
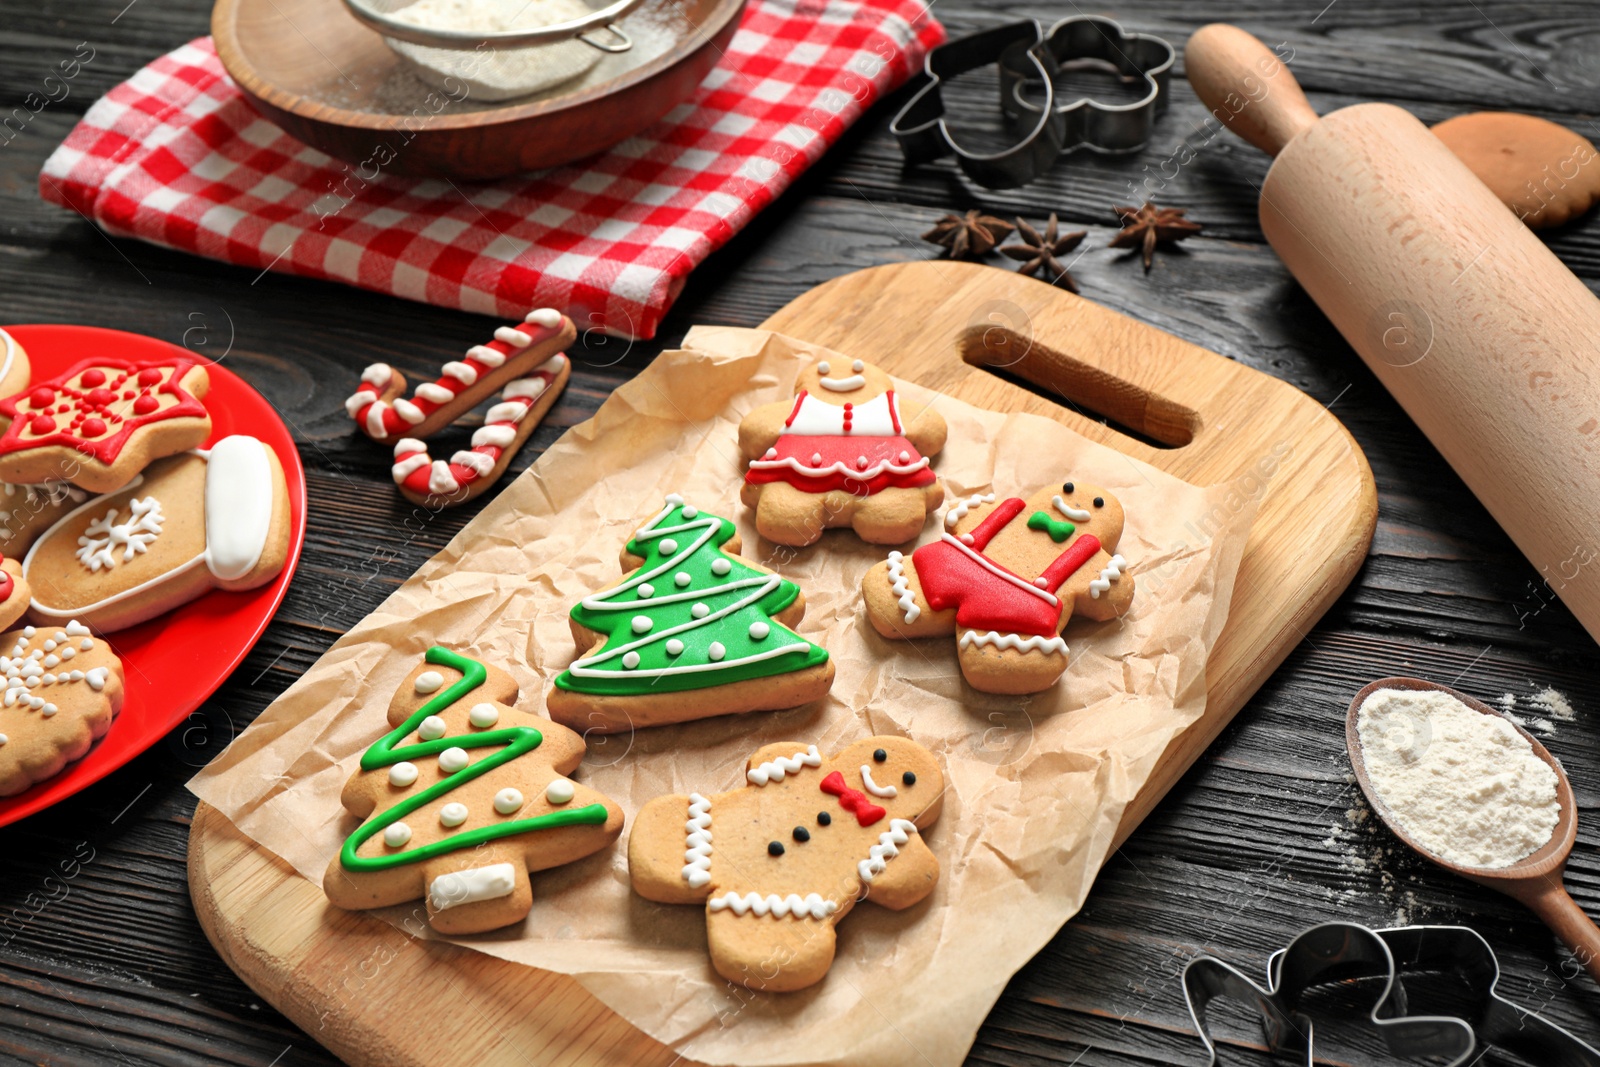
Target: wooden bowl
x=325 y=78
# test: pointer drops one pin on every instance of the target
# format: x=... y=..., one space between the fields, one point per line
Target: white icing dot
x=68 y=652
x=966 y=539
x=403 y=774
x=48 y=710
x=428 y=681
x=4 y=739
x=858 y=366
x=396 y=834
x=824 y=367
x=642 y=624
x=668 y=547
x=759 y=631
x=432 y=728
x=861 y=462
x=453 y=759
x=674 y=647
x=816 y=459
x=453 y=814
x=50 y=646
x=690 y=511
x=699 y=611
x=719 y=567
x=483 y=715
x=716 y=651
x=630 y=659
x=681 y=579
x=29 y=631
x=646 y=591
x=507 y=801
x=559 y=791
x=86 y=644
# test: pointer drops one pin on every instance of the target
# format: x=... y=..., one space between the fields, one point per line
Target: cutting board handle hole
x=1088 y=390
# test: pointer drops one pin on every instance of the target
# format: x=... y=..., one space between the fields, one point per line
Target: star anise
x=1039 y=251
x=1147 y=226
x=969 y=236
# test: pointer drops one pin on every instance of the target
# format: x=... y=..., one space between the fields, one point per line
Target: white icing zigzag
x=901 y=588
x=810 y=906
x=774 y=770
x=697 y=850
x=887 y=848
x=1111 y=574
x=1031 y=643
x=959 y=509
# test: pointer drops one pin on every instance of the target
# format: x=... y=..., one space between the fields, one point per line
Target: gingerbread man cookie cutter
x=524 y=363
x=1343 y=952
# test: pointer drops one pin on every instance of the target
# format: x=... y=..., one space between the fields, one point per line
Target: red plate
x=173 y=663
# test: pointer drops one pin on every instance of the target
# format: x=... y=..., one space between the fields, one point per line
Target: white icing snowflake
x=105 y=535
x=36 y=498
x=28 y=668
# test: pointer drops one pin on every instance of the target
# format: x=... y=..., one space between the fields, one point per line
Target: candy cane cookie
x=523 y=404
x=385 y=416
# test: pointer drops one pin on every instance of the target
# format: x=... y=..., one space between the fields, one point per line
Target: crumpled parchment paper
x=1036 y=785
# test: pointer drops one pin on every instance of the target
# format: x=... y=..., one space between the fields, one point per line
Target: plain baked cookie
x=462 y=798
x=100 y=423
x=1005 y=577
x=841 y=454
x=63 y=686
x=779 y=862
x=216 y=518
x=1546 y=173
x=694 y=631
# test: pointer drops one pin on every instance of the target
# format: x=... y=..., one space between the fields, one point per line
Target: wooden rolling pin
x=1485 y=338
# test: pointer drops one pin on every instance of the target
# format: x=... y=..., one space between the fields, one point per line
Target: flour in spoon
x=1465 y=786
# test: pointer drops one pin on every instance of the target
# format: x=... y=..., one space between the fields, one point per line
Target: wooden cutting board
x=976 y=333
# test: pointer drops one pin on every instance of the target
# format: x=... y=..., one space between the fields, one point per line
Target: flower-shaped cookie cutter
x=1085 y=121
x=925 y=135
x=1342 y=952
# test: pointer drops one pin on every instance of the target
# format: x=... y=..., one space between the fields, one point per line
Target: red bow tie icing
x=866 y=811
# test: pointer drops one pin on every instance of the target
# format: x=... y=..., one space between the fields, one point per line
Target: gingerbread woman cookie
x=695 y=631
x=462 y=798
x=62 y=689
x=1006 y=576
x=779 y=862
x=840 y=454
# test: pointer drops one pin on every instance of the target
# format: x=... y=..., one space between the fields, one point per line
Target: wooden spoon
x=1534 y=880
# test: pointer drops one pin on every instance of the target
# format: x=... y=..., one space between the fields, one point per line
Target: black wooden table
x=1265 y=836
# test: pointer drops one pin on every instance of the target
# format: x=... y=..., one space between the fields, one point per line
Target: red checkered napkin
x=176 y=156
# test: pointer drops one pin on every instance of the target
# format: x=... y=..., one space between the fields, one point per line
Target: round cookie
x=1546 y=173
x=62 y=686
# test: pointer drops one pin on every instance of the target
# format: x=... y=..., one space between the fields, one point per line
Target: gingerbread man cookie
x=62 y=689
x=102 y=422
x=779 y=862
x=462 y=798
x=840 y=454
x=695 y=631
x=1006 y=576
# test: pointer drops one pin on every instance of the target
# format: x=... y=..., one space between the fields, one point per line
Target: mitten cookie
x=839 y=454
x=386 y=417
x=782 y=860
x=14 y=366
x=695 y=631
x=187 y=525
x=102 y=422
x=462 y=799
x=1006 y=577
x=26 y=511
x=62 y=689
x=506 y=427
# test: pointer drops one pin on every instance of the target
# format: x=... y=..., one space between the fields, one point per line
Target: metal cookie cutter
x=1339 y=952
x=924 y=135
x=1086 y=122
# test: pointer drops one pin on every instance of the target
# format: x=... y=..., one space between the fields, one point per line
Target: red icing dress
x=989 y=598
x=859 y=448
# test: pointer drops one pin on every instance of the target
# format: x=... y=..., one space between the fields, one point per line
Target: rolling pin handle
x=1247 y=86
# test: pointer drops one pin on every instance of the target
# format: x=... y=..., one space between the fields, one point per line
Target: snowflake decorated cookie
x=780 y=861
x=62 y=689
x=213 y=518
x=14 y=366
x=841 y=453
x=694 y=631
x=1005 y=577
x=26 y=511
x=102 y=422
x=462 y=798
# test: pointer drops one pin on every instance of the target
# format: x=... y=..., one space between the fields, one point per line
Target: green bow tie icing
x=1059 y=531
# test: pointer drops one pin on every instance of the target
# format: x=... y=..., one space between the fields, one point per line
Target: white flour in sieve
x=1465 y=786
x=495 y=74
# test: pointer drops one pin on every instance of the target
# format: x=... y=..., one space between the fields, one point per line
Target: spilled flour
x=1465 y=786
